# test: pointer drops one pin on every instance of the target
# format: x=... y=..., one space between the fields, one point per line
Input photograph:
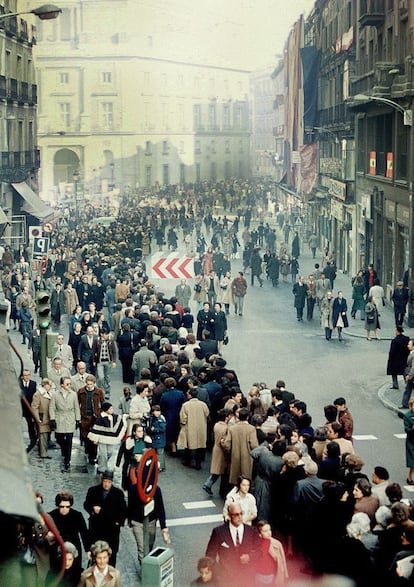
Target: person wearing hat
x=107 y=511
x=397 y=356
x=400 y=301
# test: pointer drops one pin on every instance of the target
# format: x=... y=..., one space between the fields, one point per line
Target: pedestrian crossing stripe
x=402 y=436
x=409 y=488
x=211 y=519
x=194 y=505
x=364 y=437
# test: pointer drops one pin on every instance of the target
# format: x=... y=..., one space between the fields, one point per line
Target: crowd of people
x=285 y=484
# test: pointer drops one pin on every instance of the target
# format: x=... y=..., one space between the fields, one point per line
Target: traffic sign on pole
x=40 y=247
x=48 y=227
x=147 y=475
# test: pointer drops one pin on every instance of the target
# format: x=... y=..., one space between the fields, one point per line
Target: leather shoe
x=410 y=482
x=403 y=407
x=207 y=489
x=393 y=387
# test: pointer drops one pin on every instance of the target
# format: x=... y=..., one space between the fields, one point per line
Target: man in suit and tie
x=57 y=372
x=79 y=379
x=323 y=285
x=28 y=388
x=64 y=351
x=34 y=346
x=236 y=549
x=86 y=349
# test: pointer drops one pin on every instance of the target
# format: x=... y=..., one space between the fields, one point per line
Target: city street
x=266 y=344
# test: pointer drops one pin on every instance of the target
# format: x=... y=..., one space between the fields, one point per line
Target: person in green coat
x=358 y=293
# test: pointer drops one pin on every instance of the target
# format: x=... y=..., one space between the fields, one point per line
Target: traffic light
x=43 y=309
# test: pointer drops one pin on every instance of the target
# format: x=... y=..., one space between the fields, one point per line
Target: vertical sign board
x=40 y=248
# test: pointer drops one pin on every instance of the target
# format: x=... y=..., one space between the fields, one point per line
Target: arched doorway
x=65 y=163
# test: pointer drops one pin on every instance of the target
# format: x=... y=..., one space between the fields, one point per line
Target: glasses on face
x=64 y=507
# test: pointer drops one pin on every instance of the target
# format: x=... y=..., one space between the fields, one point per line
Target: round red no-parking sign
x=147 y=475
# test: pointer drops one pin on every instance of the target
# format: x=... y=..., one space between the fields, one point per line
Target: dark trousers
x=64 y=440
x=407 y=393
x=32 y=429
x=328 y=333
x=299 y=313
x=310 y=307
x=399 y=318
x=197 y=454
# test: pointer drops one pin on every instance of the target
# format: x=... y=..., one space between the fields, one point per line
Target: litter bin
x=158 y=568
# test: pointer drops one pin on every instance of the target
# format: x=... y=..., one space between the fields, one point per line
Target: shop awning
x=33 y=204
x=3 y=217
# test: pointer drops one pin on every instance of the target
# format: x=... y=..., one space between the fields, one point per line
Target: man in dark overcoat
x=397 y=356
x=299 y=290
x=107 y=509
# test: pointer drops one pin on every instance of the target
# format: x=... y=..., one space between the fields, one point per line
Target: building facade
x=19 y=162
x=121 y=107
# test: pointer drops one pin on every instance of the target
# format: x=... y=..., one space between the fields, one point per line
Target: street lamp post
x=407 y=114
x=44 y=12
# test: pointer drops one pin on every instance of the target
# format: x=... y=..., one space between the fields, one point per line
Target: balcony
x=372 y=13
x=26 y=160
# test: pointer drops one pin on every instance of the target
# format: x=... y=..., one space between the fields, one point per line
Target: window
x=213 y=171
x=106 y=77
x=226 y=117
x=380 y=141
x=148 y=176
x=64 y=112
x=197 y=147
x=237 y=118
x=148 y=150
x=227 y=147
x=212 y=116
x=403 y=137
x=213 y=146
x=107 y=115
x=64 y=21
x=182 y=173
x=165 y=174
x=63 y=77
x=198 y=172
x=197 y=117
x=165 y=147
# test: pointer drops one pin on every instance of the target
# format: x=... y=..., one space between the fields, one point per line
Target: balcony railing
x=372 y=12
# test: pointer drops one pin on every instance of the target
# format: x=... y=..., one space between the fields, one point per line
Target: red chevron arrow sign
x=172 y=266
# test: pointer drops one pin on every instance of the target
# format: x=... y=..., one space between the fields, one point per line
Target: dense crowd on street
x=289 y=486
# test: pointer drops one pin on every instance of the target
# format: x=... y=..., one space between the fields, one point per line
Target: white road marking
x=212 y=518
x=364 y=437
x=409 y=488
x=402 y=436
x=193 y=505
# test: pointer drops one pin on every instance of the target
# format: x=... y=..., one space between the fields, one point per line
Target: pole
x=410 y=173
x=43 y=352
